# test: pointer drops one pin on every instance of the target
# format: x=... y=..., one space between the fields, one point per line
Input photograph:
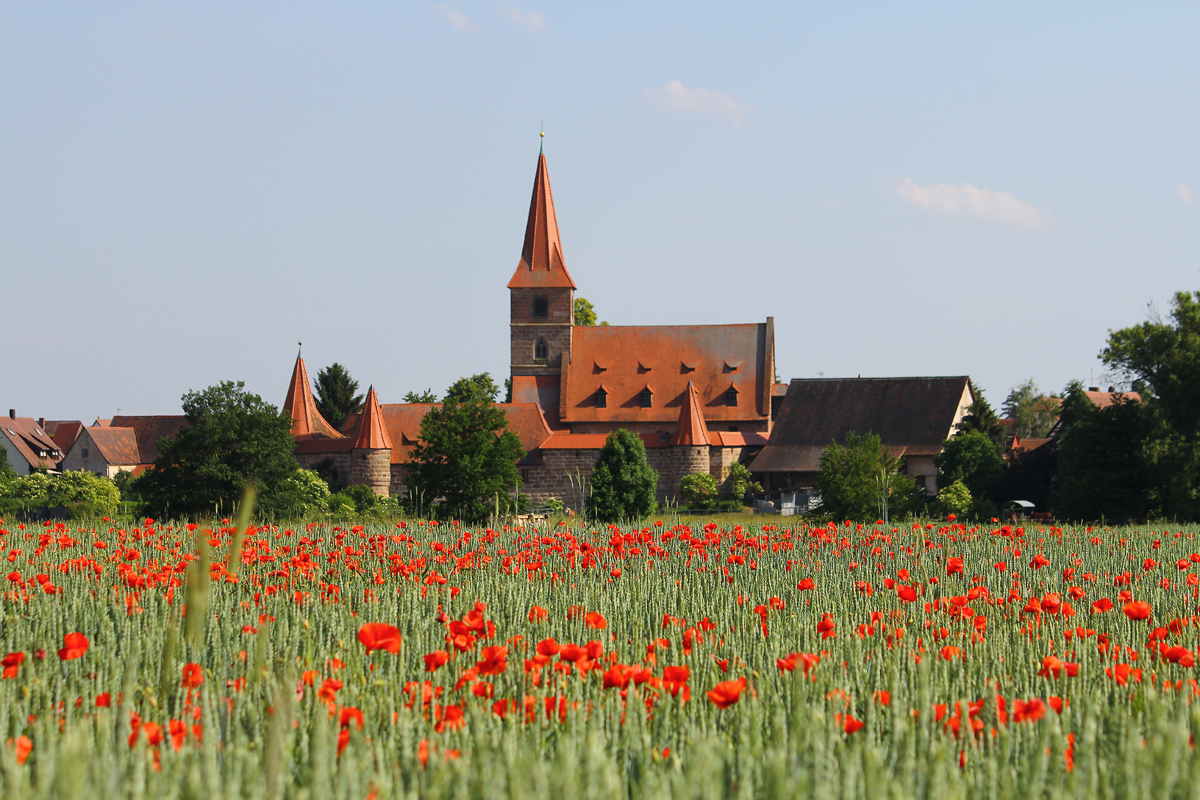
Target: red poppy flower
x=726 y=693
x=1102 y=605
x=12 y=663
x=75 y=645
x=1137 y=610
x=495 y=660
x=595 y=620
x=23 y=748
x=193 y=675
x=380 y=636
x=1028 y=710
x=1180 y=655
x=437 y=658
x=907 y=593
x=451 y=718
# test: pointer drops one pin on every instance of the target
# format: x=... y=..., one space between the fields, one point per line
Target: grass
x=284 y=676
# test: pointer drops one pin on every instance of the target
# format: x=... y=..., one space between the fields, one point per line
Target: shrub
x=698 y=490
x=623 y=484
x=741 y=482
x=953 y=499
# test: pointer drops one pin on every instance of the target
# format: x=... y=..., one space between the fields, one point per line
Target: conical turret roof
x=370 y=434
x=307 y=422
x=690 y=430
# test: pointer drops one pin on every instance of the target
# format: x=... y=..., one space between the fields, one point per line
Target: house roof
x=544 y=390
x=912 y=416
x=541 y=264
x=118 y=446
x=1106 y=399
x=307 y=421
x=370 y=433
x=63 y=432
x=26 y=438
x=402 y=423
x=665 y=359
x=690 y=430
x=150 y=430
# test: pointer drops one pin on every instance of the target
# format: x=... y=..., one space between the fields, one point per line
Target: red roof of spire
x=690 y=430
x=370 y=433
x=307 y=422
x=541 y=258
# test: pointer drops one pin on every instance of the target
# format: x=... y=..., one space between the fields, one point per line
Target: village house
x=29 y=446
x=913 y=417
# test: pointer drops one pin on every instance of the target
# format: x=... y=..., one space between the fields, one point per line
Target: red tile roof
x=540 y=389
x=150 y=430
x=307 y=422
x=627 y=359
x=1106 y=399
x=541 y=263
x=402 y=422
x=63 y=432
x=26 y=439
x=118 y=446
x=371 y=435
x=690 y=430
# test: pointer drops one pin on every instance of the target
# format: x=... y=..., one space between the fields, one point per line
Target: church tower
x=541 y=292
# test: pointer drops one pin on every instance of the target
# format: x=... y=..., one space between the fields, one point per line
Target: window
x=541 y=307
x=85 y=455
x=541 y=351
x=646 y=398
x=601 y=398
x=731 y=396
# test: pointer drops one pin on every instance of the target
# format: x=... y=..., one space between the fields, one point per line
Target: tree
x=860 y=480
x=623 y=484
x=233 y=438
x=585 y=313
x=427 y=396
x=335 y=395
x=1033 y=414
x=741 y=482
x=953 y=499
x=698 y=490
x=467 y=456
x=981 y=417
x=1162 y=357
x=1107 y=466
x=972 y=458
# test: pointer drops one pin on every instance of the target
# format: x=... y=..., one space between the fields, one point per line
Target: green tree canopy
x=623 y=484
x=1033 y=414
x=698 y=490
x=234 y=437
x=335 y=395
x=427 y=396
x=972 y=458
x=585 y=313
x=859 y=480
x=1107 y=465
x=981 y=417
x=467 y=455
x=741 y=482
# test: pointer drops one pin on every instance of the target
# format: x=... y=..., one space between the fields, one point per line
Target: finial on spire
x=299 y=348
x=542 y=147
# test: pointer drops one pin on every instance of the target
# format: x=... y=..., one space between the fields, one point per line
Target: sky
x=189 y=190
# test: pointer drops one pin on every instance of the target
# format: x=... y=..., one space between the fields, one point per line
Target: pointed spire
x=541 y=258
x=370 y=433
x=307 y=422
x=690 y=430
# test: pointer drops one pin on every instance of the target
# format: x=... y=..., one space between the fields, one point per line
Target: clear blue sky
x=188 y=189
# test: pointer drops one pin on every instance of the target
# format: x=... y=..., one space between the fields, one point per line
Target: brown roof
x=1106 y=399
x=912 y=415
x=540 y=389
x=118 y=446
x=690 y=430
x=624 y=360
x=1032 y=444
x=402 y=423
x=150 y=430
x=63 y=432
x=541 y=263
x=370 y=434
x=307 y=422
x=26 y=438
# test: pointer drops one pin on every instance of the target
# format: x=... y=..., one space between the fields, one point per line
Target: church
x=701 y=397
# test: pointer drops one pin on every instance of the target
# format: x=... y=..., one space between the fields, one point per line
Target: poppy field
x=672 y=660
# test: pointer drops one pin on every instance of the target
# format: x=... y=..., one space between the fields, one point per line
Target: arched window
x=601 y=398
x=541 y=350
x=541 y=307
x=647 y=398
x=731 y=396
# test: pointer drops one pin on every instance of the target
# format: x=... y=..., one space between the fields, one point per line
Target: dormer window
x=731 y=396
x=646 y=398
x=541 y=350
x=601 y=398
x=541 y=308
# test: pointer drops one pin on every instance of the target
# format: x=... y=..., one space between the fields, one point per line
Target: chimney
x=1112 y=389
x=42 y=423
x=1093 y=388
x=12 y=413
